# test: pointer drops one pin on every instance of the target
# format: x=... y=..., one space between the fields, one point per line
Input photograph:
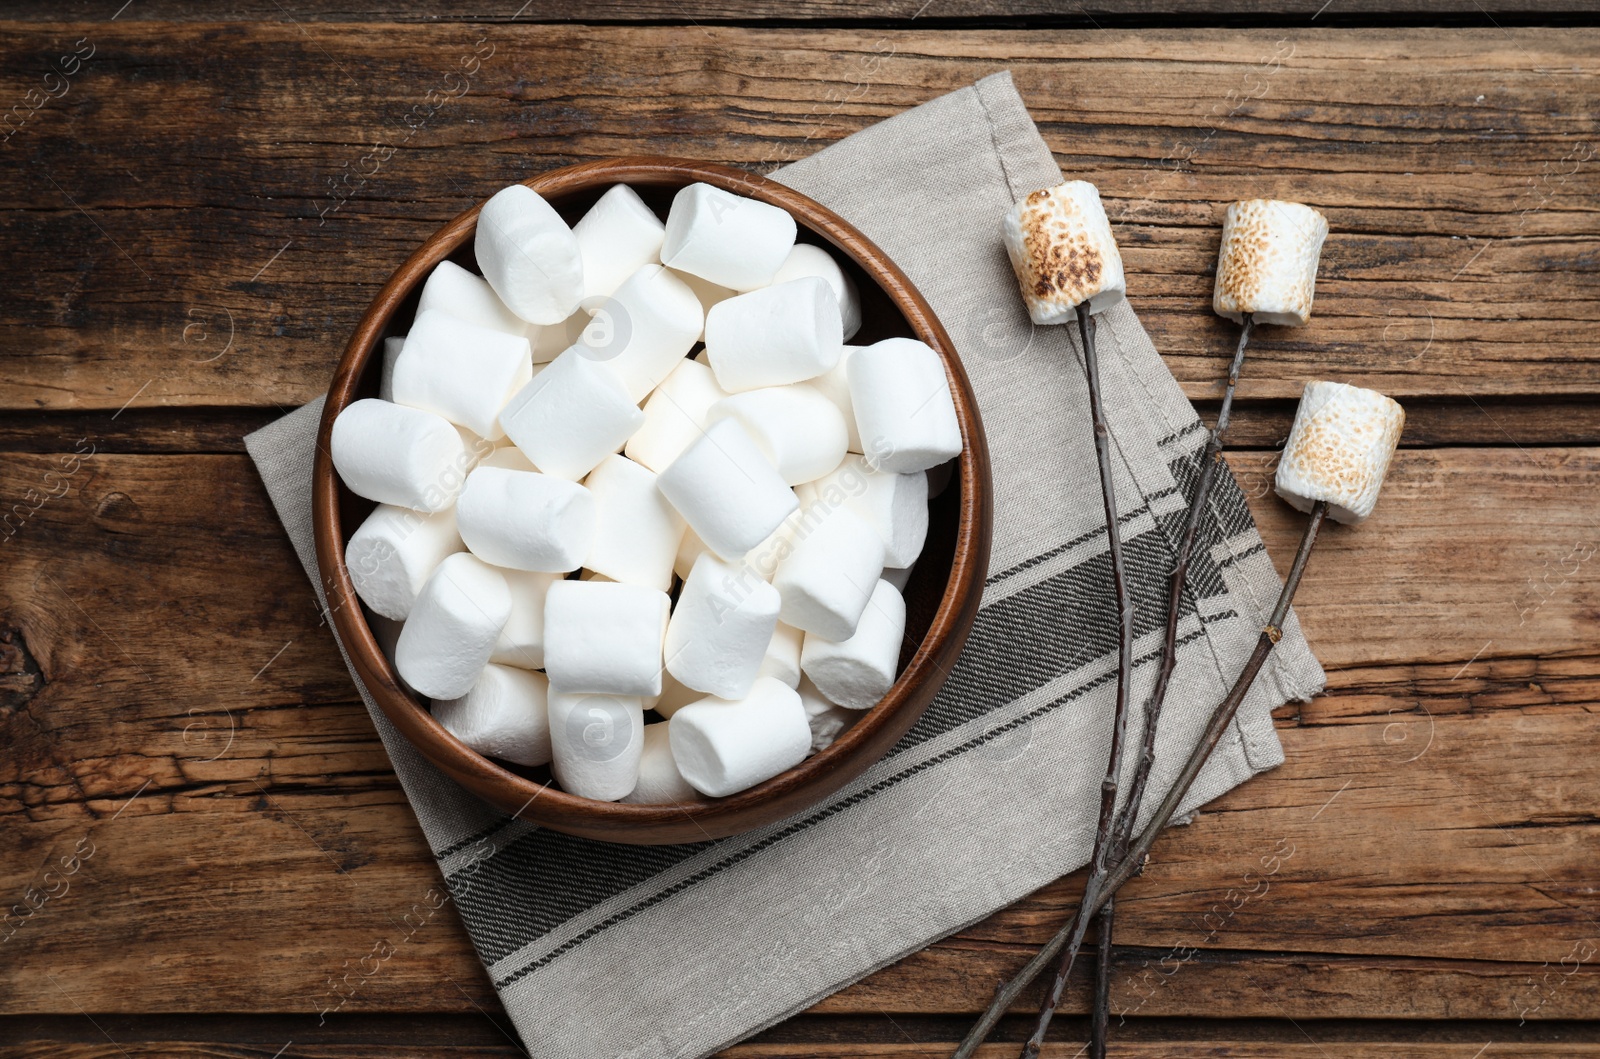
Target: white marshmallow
x=807 y=260
x=521 y=642
x=644 y=330
x=508 y=457
x=391 y=353
x=660 y=782
x=636 y=531
x=725 y=238
x=826 y=719
x=773 y=336
x=604 y=638
x=453 y=627
x=834 y=384
x=725 y=747
x=857 y=672
x=903 y=406
x=505 y=715
x=453 y=290
x=727 y=491
x=464 y=372
x=896 y=505
x=387 y=632
x=529 y=255
x=552 y=341
x=799 y=431
x=1267 y=264
x=616 y=236
x=1063 y=252
x=571 y=416
x=898 y=577
x=1339 y=449
x=689 y=549
x=525 y=520
x=398 y=455
x=828 y=577
x=720 y=628
x=709 y=293
x=393 y=552
x=675 y=415
x=782 y=658
x=595 y=743
x=674 y=696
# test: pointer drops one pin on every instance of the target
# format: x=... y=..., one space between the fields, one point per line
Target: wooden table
x=193 y=219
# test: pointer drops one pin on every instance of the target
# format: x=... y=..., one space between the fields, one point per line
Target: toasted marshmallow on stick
x=1267 y=265
x=1339 y=449
x=1063 y=253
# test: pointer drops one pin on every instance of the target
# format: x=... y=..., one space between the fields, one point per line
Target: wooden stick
x=1100 y=859
x=1098 y=891
x=1210 y=461
x=1100 y=1024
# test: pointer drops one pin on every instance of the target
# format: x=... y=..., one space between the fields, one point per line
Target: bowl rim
x=819 y=775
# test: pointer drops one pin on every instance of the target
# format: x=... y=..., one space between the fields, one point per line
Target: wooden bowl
x=942 y=597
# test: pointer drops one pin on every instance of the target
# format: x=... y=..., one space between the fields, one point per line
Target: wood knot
x=20 y=676
x=119 y=513
x=1273 y=633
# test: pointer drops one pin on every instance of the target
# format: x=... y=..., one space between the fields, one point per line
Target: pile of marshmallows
x=548 y=461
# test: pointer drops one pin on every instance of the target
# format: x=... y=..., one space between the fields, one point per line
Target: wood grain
x=229 y=270
x=1429 y=788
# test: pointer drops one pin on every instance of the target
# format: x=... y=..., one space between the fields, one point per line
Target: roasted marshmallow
x=660 y=782
x=453 y=290
x=604 y=638
x=720 y=628
x=675 y=415
x=525 y=520
x=896 y=505
x=521 y=642
x=725 y=238
x=724 y=747
x=571 y=416
x=461 y=371
x=505 y=715
x=773 y=336
x=807 y=260
x=857 y=672
x=596 y=742
x=727 y=491
x=398 y=455
x=903 y=407
x=828 y=577
x=618 y=235
x=393 y=553
x=1268 y=262
x=798 y=430
x=529 y=255
x=1339 y=449
x=453 y=627
x=644 y=330
x=1063 y=253
x=636 y=532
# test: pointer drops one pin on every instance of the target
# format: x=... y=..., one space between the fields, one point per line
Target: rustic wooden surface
x=177 y=276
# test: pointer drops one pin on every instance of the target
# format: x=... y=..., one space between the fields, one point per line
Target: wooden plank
x=222 y=273
x=1112 y=12
x=229 y=791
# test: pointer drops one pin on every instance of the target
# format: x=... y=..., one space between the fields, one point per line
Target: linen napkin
x=602 y=950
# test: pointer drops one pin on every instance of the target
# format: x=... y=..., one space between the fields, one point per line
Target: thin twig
x=1100 y=1024
x=1098 y=891
x=1128 y=816
x=1103 y=839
